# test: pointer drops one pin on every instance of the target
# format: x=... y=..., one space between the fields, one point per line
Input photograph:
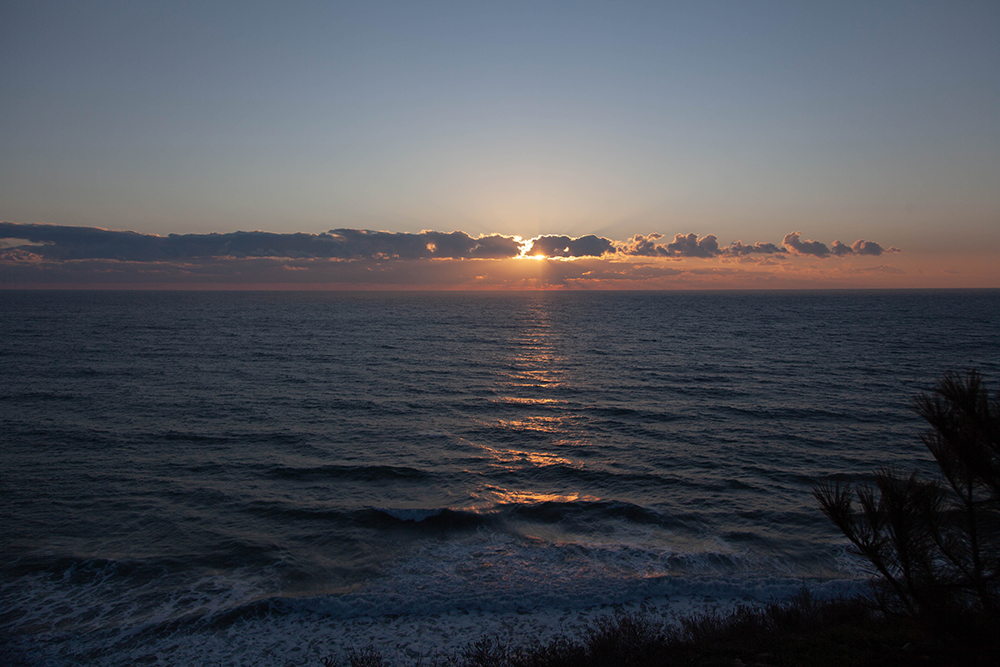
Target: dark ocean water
x=190 y=470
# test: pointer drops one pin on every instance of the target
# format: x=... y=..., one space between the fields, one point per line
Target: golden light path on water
x=538 y=368
x=535 y=371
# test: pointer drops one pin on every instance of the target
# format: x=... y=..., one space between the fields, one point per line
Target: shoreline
x=307 y=638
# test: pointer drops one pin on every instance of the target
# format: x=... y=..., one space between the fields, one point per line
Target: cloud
x=838 y=249
x=59 y=242
x=795 y=246
x=564 y=246
x=737 y=249
x=882 y=268
x=365 y=244
x=683 y=245
x=691 y=246
x=643 y=246
x=19 y=254
x=68 y=243
x=38 y=254
x=861 y=247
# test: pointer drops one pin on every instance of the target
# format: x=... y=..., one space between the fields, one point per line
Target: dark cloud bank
x=67 y=243
x=55 y=242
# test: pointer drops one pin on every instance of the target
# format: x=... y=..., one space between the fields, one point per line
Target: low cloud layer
x=816 y=249
x=564 y=246
x=53 y=255
x=57 y=242
x=683 y=245
x=689 y=245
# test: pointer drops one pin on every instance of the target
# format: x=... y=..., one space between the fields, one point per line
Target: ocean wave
x=410 y=514
x=432 y=519
x=365 y=473
x=503 y=515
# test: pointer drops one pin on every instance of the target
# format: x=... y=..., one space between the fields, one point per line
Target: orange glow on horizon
x=904 y=271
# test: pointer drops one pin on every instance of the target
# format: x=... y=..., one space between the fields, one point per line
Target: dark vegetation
x=936 y=546
x=935 y=600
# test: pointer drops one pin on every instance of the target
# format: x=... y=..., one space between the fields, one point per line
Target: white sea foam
x=430 y=604
x=306 y=637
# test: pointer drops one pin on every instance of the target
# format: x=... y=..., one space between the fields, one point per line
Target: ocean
x=271 y=478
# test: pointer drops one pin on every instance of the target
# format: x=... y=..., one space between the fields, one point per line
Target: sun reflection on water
x=503 y=496
x=533 y=390
x=516 y=400
x=509 y=458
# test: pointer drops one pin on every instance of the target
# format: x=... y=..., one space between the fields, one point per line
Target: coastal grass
x=803 y=631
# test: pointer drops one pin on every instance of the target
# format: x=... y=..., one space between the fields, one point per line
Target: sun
x=525 y=247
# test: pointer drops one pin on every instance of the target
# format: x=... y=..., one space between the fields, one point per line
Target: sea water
x=272 y=478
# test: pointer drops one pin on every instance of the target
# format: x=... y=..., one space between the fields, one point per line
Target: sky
x=493 y=145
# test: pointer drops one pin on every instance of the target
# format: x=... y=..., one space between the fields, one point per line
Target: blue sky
x=745 y=120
